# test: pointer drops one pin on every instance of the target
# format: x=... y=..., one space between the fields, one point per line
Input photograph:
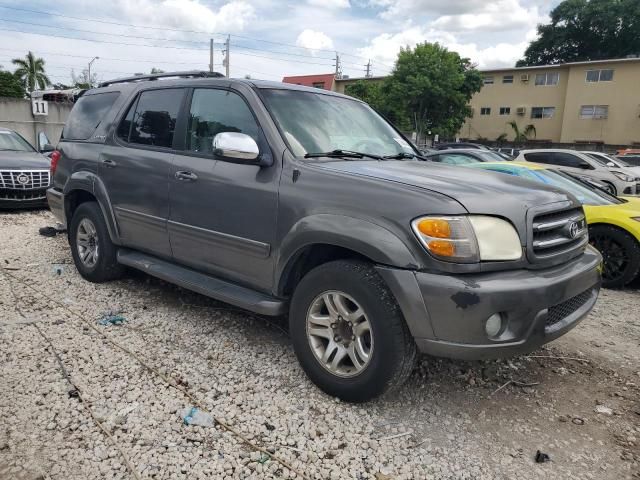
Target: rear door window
x=87 y=114
x=540 y=157
x=567 y=160
x=152 y=120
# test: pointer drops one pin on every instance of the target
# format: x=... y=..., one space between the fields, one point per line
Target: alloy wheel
x=87 y=243
x=615 y=257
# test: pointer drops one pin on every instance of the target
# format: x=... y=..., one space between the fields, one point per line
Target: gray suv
x=283 y=199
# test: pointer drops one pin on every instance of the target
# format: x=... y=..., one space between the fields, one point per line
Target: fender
x=364 y=237
x=91 y=183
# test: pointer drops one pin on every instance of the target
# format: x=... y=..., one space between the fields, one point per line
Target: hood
x=479 y=191
x=23 y=161
x=634 y=171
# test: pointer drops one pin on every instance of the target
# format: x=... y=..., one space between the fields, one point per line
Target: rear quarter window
x=87 y=114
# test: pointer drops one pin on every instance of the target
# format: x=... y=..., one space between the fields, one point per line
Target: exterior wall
x=622 y=95
x=515 y=95
x=15 y=114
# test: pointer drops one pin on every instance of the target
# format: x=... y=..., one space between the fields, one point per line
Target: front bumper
x=446 y=314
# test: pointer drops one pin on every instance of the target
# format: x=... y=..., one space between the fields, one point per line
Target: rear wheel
x=348 y=332
x=93 y=252
x=620 y=252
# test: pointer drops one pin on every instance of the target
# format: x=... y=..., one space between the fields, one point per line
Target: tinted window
x=11 y=141
x=154 y=120
x=87 y=114
x=124 y=129
x=567 y=160
x=217 y=111
x=540 y=157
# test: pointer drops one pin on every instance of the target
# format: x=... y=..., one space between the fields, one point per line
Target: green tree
x=156 y=70
x=432 y=87
x=500 y=139
x=31 y=72
x=11 y=86
x=586 y=30
x=521 y=136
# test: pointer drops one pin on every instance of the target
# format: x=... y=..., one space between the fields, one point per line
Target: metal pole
x=211 y=55
x=227 y=55
x=89 y=71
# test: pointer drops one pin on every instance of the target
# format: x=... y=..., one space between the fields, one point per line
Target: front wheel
x=348 y=331
x=620 y=252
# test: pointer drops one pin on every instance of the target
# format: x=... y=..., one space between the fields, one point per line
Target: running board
x=205 y=284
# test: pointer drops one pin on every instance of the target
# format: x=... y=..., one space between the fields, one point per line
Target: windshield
x=489 y=156
x=11 y=141
x=315 y=122
x=603 y=159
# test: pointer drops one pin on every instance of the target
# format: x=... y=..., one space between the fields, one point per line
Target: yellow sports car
x=614 y=222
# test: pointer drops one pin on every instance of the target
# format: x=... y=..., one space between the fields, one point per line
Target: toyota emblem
x=23 y=179
x=574 y=229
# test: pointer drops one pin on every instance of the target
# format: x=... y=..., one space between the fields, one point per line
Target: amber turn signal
x=434 y=227
x=442 y=248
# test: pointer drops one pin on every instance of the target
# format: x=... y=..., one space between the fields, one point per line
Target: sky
x=268 y=39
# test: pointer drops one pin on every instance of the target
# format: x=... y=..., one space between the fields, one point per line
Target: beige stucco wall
x=16 y=114
x=622 y=95
x=514 y=95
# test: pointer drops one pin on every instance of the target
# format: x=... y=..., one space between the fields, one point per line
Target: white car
x=618 y=180
x=615 y=163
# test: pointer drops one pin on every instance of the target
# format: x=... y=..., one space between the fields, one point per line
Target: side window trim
x=263 y=145
x=135 y=103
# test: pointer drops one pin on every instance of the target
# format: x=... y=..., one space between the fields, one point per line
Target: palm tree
x=31 y=72
x=523 y=135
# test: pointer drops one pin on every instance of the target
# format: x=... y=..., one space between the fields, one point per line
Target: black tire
x=393 y=356
x=611 y=188
x=106 y=266
x=620 y=252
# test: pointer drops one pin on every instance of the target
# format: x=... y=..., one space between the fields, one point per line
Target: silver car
x=618 y=180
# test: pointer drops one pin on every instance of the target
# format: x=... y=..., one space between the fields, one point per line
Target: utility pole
x=211 y=55
x=226 y=54
x=338 y=73
x=89 y=71
x=368 y=71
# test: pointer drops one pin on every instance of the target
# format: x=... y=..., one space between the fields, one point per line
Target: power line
x=133 y=60
x=107 y=22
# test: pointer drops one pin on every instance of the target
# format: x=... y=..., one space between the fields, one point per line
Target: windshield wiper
x=401 y=155
x=343 y=154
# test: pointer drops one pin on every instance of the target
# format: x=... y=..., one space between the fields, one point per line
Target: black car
x=447 y=146
x=24 y=172
x=464 y=156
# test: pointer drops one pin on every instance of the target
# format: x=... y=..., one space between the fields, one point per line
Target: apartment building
x=328 y=81
x=594 y=102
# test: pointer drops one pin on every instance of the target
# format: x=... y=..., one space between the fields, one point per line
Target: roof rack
x=156 y=76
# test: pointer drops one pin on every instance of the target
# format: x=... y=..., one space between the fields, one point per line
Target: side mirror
x=46 y=148
x=611 y=164
x=235 y=146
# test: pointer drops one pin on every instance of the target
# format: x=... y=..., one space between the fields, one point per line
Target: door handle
x=186 y=176
x=109 y=163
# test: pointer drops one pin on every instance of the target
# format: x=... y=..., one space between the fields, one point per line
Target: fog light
x=493 y=325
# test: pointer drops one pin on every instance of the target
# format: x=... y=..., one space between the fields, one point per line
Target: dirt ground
x=577 y=399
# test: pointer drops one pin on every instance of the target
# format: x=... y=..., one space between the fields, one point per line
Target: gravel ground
x=452 y=420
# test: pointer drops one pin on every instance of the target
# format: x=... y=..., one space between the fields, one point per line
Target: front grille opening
x=559 y=312
x=10 y=194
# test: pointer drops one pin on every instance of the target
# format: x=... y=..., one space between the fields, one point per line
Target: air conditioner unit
x=524 y=77
x=521 y=110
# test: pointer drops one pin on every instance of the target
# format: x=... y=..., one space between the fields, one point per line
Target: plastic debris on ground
x=603 y=410
x=194 y=416
x=112 y=320
x=48 y=231
x=542 y=457
x=57 y=269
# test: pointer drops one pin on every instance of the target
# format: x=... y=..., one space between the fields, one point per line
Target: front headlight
x=468 y=239
x=623 y=176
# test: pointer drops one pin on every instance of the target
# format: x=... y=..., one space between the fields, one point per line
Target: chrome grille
x=558 y=232
x=24 y=179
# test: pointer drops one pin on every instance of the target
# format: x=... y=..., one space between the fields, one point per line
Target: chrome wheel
x=87 y=243
x=339 y=334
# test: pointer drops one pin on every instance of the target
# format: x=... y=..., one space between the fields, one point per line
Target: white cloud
x=189 y=14
x=492 y=16
x=329 y=3
x=314 y=40
x=413 y=8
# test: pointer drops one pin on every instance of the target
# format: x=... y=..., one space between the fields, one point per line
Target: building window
x=318 y=85
x=551 y=78
x=507 y=79
x=594 y=111
x=488 y=80
x=505 y=110
x=543 y=112
x=594 y=76
x=485 y=111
